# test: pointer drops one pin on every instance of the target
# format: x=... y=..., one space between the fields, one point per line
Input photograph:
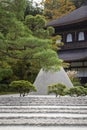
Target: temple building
x=73 y=30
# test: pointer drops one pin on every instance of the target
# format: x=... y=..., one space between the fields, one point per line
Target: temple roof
x=75 y=16
x=73 y=55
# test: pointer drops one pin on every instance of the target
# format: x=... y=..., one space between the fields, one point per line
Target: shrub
x=66 y=91
x=85 y=91
x=77 y=90
x=23 y=87
x=57 y=89
x=85 y=85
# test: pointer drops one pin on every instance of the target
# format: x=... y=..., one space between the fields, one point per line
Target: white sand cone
x=44 y=79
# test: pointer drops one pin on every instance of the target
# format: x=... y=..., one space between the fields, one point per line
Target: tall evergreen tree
x=6 y=16
x=18 y=8
x=23 y=43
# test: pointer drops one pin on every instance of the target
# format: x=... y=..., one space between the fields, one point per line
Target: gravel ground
x=43 y=110
x=43 y=121
x=42 y=101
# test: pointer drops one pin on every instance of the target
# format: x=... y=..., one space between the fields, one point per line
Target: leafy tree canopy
x=56 y=8
x=25 y=41
x=79 y=3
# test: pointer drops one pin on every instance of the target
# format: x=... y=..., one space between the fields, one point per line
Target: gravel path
x=43 y=101
x=43 y=110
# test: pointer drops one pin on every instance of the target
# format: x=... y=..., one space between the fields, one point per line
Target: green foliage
x=1 y=37
x=6 y=16
x=56 y=8
x=85 y=85
x=85 y=91
x=35 y=22
x=61 y=89
x=66 y=91
x=78 y=91
x=4 y=87
x=18 y=8
x=57 y=89
x=5 y=71
x=25 y=70
x=23 y=87
x=53 y=64
x=26 y=46
x=29 y=47
x=51 y=30
x=37 y=25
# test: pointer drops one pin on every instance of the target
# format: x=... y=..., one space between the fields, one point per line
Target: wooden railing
x=75 y=45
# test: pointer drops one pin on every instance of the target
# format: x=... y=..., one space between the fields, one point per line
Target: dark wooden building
x=73 y=29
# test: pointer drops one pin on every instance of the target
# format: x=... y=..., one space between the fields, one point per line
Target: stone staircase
x=43 y=110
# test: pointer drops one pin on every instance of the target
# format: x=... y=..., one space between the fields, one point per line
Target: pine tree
x=25 y=41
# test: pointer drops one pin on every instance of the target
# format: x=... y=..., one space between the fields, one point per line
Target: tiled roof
x=73 y=55
x=75 y=16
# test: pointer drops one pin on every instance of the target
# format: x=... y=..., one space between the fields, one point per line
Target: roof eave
x=68 y=23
